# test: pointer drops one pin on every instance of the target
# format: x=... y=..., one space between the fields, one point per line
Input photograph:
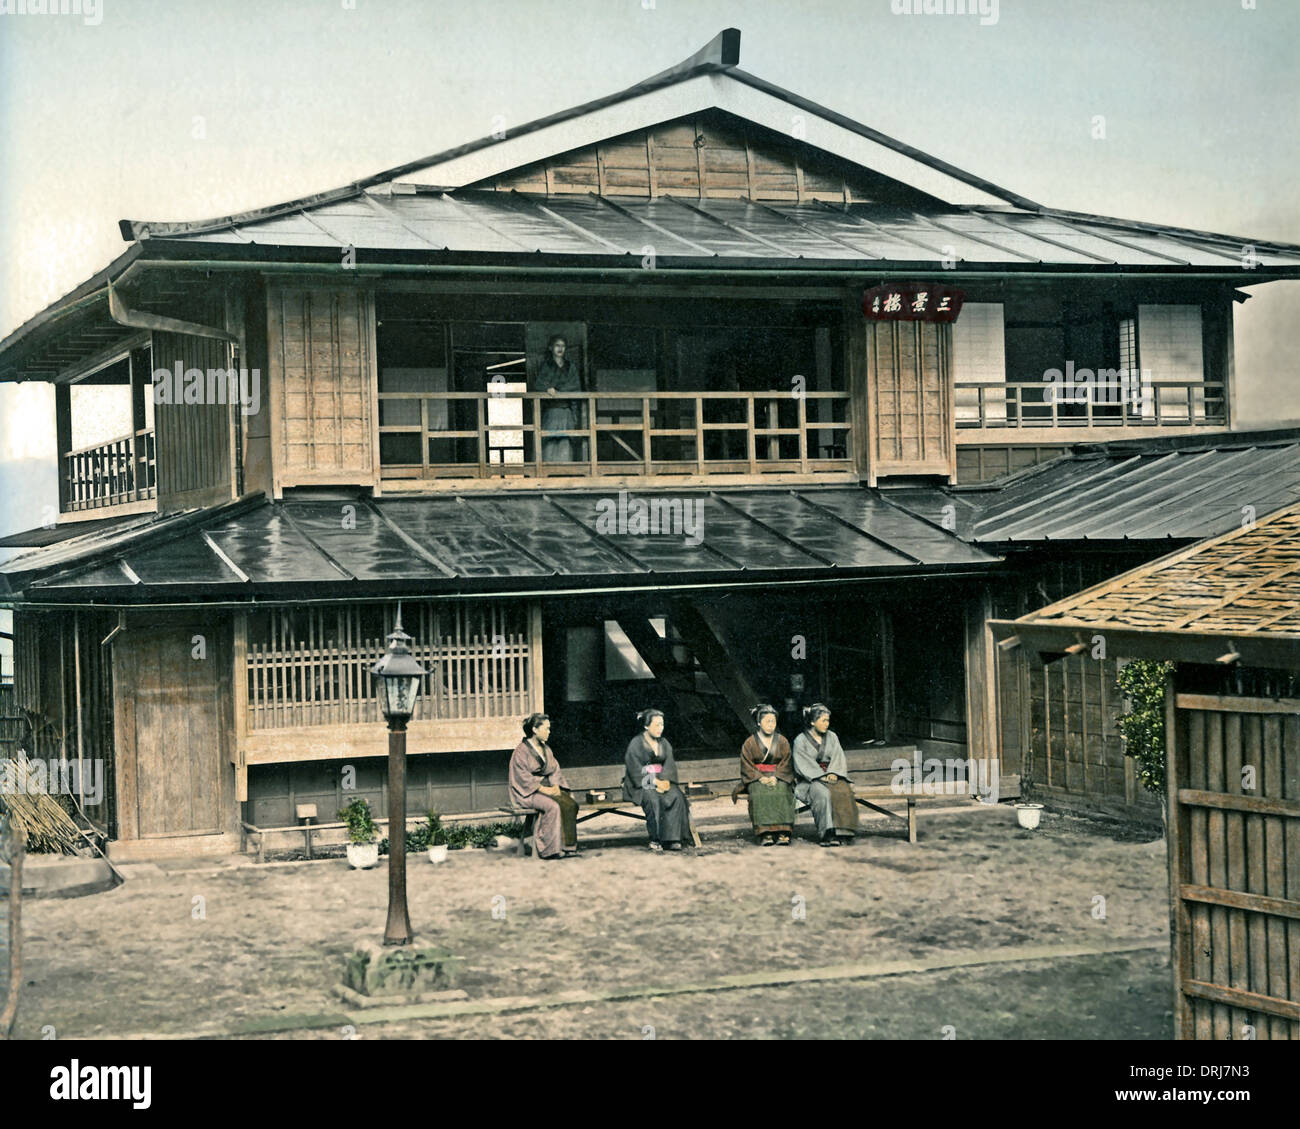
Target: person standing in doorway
x=556 y=376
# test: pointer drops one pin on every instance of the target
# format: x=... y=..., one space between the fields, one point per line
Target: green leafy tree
x=1143 y=726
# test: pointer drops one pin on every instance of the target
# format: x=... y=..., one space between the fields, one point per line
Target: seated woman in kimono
x=767 y=774
x=650 y=780
x=536 y=782
x=822 y=769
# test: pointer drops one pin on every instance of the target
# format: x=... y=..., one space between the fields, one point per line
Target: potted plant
x=437 y=838
x=363 y=851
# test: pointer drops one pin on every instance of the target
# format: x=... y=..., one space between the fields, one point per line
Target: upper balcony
x=663 y=395
x=519 y=434
x=112 y=473
x=1032 y=407
x=120 y=472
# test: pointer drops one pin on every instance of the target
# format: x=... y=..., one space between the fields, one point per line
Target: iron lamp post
x=397 y=677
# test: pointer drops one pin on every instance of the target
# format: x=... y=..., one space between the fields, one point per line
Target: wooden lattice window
x=311 y=666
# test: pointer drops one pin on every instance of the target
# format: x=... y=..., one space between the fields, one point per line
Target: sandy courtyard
x=211 y=951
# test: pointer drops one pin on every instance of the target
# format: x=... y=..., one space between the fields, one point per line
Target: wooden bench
x=590 y=809
x=865 y=793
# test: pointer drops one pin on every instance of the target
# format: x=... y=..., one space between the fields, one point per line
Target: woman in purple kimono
x=650 y=779
x=536 y=782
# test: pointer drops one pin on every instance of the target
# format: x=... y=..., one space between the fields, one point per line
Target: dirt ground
x=195 y=953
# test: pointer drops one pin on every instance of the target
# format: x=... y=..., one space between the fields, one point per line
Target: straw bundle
x=32 y=811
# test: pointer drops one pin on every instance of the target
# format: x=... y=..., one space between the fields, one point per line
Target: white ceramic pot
x=362 y=856
x=438 y=853
x=1028 y=815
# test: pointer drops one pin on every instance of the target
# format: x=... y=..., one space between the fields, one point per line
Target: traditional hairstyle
x=645 y=717
x=813 y=712
x=761 y=710
x=532 y=721
x=554 y=337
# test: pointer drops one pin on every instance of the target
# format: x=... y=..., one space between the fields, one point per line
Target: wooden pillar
x=536 y=678
x=239 y=675
x=63 y=442
x=885 y=717
x=76 y=658
x=1175 y=840
x=981 y=689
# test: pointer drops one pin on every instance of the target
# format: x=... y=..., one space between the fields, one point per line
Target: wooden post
x=239 y=672
x=885 y=638
x=537 y=683
x=1179 y=926
x=76 y=658
x=63 y=441
x=17 y=851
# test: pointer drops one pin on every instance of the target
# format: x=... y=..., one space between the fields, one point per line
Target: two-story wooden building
x=760 y=492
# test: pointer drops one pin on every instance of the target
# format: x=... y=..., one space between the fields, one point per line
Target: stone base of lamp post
x=375 y=973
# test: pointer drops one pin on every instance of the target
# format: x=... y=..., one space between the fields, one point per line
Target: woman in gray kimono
x=536 y=782
x=822 y=769
x=650 y=779
x=555 y=376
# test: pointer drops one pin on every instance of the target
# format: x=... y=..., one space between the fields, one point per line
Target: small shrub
x=1143 y=726
x=360 y=823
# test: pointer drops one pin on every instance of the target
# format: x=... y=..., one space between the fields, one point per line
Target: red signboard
x=912 y=301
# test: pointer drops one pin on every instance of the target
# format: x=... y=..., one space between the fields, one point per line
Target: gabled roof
x=559 y=540
x=433 y=213
x=1234 y=598
x=709 y=79
x=430 y=205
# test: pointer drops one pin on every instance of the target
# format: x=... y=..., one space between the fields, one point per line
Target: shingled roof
x=1233 y=598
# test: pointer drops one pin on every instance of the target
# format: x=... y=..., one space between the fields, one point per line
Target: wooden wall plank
x=909 y=379
x=323 y=385
x=195 y=466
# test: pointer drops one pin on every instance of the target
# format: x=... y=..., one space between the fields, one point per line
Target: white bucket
x=1028 y=815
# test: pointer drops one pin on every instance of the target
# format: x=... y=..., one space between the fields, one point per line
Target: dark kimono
x=559 y=414
x=557 y=823
x=834 y=808
x=667 y=814
x=771 y=806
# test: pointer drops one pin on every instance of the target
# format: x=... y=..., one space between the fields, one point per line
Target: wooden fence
x=1234 y=865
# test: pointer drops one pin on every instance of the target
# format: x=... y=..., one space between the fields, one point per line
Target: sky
x=179 y=109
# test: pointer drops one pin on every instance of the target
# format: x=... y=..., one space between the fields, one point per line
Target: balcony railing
x=486 y=435
x=110 y=473
x=1033 y=404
